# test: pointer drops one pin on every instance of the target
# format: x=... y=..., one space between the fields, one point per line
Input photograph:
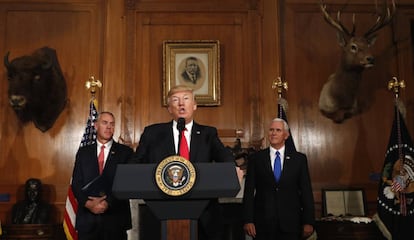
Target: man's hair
x=179 y=88
x=285 y=124
x=190 y=58
x=106 y=112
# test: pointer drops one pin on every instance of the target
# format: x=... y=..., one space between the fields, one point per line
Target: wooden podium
x=214 y=180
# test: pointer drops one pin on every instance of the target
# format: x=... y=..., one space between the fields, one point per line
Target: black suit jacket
x=186 y=77
x=290 y=201
x=157 y=143
x=86 y=169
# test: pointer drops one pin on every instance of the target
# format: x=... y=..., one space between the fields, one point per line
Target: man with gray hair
x=278 y=199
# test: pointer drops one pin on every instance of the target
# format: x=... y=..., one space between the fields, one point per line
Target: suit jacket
x=187 y=77
x=289 y=202
x=86 y=169
x=40 y=215
x=157 y=143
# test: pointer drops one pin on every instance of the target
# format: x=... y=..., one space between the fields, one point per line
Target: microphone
x=180 y=127
x=181 y=124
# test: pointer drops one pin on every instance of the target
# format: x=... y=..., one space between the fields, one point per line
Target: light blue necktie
x=277 y=167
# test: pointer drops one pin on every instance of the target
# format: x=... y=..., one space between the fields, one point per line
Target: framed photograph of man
x=195 y=64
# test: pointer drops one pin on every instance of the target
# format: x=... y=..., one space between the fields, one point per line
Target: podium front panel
x=177 y=209
x=213 y=180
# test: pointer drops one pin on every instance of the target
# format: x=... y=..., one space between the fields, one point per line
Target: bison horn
x=6 y=60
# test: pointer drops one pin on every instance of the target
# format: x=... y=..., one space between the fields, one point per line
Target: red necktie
x=184 y=152
x=101 y=159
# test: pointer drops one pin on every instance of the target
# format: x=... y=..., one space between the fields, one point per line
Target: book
x=97 y=187
x=344 y=202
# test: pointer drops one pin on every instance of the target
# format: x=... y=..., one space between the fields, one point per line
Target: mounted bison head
x=37 y=88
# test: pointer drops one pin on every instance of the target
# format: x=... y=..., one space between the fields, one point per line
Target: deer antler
x=338 y=99
x=384 y=18
x=337 y=23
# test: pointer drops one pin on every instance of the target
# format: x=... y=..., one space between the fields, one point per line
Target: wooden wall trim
x=195 y=6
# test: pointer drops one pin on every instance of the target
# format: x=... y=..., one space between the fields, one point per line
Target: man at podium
x=183 y=136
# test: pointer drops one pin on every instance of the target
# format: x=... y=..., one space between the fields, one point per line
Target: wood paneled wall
x=347 y=154
x=120 y=43
x=75 y=30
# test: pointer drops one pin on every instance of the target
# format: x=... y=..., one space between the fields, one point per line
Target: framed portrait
x=344 y=202
x=195 y=64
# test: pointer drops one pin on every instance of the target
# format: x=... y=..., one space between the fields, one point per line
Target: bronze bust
x=31 y=210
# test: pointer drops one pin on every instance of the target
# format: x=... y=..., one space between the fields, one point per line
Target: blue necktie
x=277 y=166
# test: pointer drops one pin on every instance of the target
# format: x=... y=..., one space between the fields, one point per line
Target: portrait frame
x=344 y=202
x=204 y=57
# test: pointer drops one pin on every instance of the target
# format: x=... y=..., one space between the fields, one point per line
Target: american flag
x=88 y=138
x=281 y=113
x=397 y=186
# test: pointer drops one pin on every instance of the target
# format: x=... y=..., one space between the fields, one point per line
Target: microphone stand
x=180 y=127
x=179 y=142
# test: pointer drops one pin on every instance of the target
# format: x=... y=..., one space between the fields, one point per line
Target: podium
x=213 y=180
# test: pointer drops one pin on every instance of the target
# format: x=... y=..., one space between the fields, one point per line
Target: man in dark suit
x=192 y=72
x=101 y=217
x=283 y=208
x=160 y=141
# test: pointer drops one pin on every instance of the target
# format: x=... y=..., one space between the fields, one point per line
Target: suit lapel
x=286 y=162
x=111 y=159
x=93 y=154
x=169 y=138
x=195 y=141
x=267 y=164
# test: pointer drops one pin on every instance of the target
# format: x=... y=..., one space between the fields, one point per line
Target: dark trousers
x=104 y=235
x=271 y=230
x=103 y=231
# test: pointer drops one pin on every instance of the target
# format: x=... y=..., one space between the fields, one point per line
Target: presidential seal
x=175 y=175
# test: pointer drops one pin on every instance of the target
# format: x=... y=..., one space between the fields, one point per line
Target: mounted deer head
x=337 y=100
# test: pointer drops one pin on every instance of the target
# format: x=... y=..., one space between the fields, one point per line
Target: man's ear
x=195 y=107
x=287 y=136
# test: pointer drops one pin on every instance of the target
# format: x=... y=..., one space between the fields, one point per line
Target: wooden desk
x=346 y=230
x=32 y=232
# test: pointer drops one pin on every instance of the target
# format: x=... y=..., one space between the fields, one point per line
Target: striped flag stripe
x=71 y=207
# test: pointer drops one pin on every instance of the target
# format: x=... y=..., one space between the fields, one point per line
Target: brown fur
x=37 y=88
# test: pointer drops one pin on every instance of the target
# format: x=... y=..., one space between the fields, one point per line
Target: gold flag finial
x=92 y=84
x=396 y=85
x=279 y=85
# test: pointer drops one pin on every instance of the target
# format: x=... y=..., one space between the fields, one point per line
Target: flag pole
x=280 y=85
x=282 y=106
x=395 y=85
x=71 y=205
x=92 y=85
